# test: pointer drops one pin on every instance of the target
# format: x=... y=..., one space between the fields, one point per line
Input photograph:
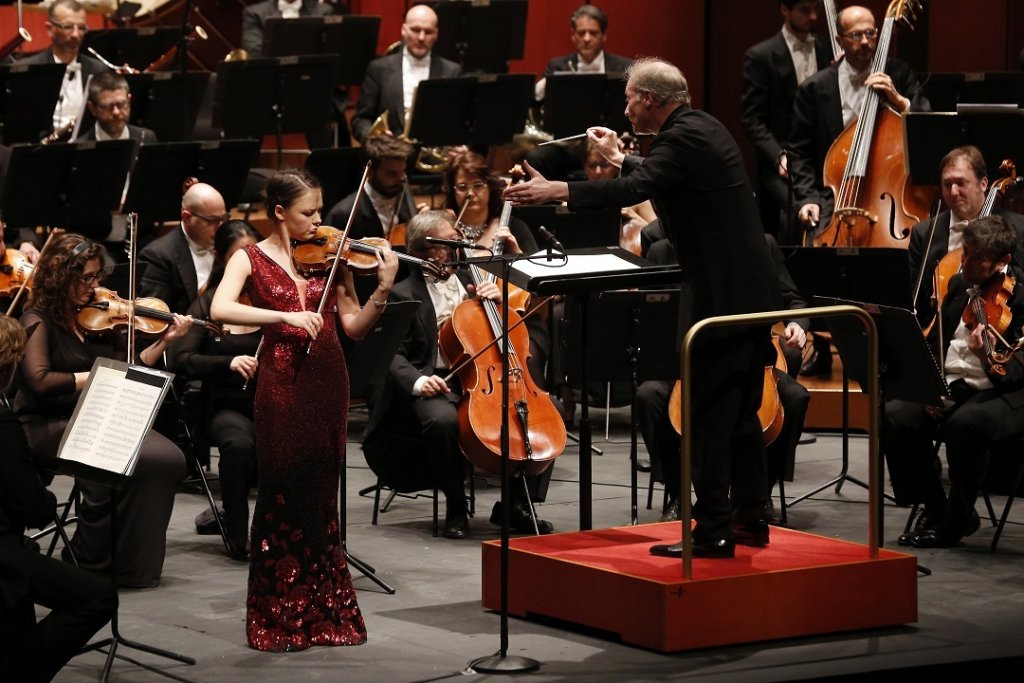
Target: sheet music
x=576 y=264
x=113 y=416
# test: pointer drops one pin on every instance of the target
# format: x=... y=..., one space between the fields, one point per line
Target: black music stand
x=479 y=111
x=908 y=370
x=338 y=169
x=274 y=96
x=28 y=96
x=643 y=350
x=136 y=47
x=157 y=99
x=581 y=277
x=155 y=189
x=481 y=36
x=574 y=102
x=73 y=186
x=947 y=90
x=368 y=361
x=874 y=275
x=351 y=38
x=999 y=134
x=575 y=229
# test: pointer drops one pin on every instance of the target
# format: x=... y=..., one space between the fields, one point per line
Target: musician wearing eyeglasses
x=110 y=103
x=180 y=262
x=65 y=24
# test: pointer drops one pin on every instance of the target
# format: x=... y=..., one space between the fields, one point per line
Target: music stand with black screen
x=28 y=96
x=476 y=110
x=945 y=91
x=73 y=186
x=575 y=229
x=873 y=274
x=574 y=102
x=157 y=100
x=998 y=134
x=481 y=36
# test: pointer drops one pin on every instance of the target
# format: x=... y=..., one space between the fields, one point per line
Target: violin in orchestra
x=360 y=255
x=15 y=272
x=107 y=312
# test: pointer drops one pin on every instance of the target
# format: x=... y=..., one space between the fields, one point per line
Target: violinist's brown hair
x=12 y=341
x=286 y=186
x=991 y=235
x=472 y=164
x=62 y=261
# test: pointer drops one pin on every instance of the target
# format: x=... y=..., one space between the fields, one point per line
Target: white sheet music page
x=576 y=264
x=113 y=415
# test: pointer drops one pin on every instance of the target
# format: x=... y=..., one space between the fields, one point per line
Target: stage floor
x=971 y=609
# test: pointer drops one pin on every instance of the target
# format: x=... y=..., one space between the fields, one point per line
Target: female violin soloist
x=300 y=414
x=985 y=305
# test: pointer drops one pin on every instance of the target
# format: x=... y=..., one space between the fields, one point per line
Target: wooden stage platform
x=800 y=585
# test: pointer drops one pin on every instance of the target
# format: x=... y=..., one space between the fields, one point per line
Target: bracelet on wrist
x=381 y=305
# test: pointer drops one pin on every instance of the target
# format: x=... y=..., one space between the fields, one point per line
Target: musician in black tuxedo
x=65 y=24
x=987 y=403
x=391 y=80
x=181 y=261
x=827 y=103
x=772 y=70
x=255 y=16
x=110 y=102
x=415 y=396
x=80 y=602
x=381 y=202
x=694 y=174
x=963 y=180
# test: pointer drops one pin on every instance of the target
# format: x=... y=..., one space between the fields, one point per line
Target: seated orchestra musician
x=58 y=357
x=80 y=602
x=391 y=80
x=254 y=18
x=661 y=440
x=180 y=262
x=226 y=363
x=110 y=102
x=986 y=403
x=963 y=181
x=417 y=397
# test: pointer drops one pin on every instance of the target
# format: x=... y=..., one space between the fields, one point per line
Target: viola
x=15 y=271
x=770 y=414
x=360 y=255
x=471 y=340
x=107 y=311
x=988 y=306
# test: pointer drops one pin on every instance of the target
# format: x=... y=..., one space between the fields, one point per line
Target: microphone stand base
x=503 y=664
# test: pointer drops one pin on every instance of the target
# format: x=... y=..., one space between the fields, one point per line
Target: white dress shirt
x=801 y=50
x=961 y=363
x=71 y=101
x=445 y=295
x=289 y=10
x=851 y=90
x=413 y=71
x=202 y=259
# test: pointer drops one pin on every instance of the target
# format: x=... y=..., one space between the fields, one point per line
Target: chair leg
x=782 y=501
x=376 y=502
x=988 y=506
x=435 y=513
x=1006 y=508
x=650 y=490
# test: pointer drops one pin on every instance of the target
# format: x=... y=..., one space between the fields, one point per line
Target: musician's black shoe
x=947 y=535
x=643 y=465
x=754 y=534
x=819 y=364
x=520 y=520
x=925 y=522
x=456 y=525
x=714 y=549
x=671 y=511
x=206 y=523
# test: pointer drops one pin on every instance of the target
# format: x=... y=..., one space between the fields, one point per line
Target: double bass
x=472 y=342
x=876 y=202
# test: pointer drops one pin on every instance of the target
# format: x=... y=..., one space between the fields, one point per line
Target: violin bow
x=341 y=247
x=133 y=234
x=256 y=355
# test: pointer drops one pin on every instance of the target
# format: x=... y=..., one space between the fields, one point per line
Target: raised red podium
x=800 y=585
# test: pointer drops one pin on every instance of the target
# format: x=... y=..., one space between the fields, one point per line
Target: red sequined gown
x=300 y=590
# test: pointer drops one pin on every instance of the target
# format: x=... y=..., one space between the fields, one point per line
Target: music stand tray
x=481 y=36
x=998 y=134
x=353 y=38
x=28 y=96
x=155 y=189
x=136 y=47
x=98 y=173
x=442 y=111
x=33 y=185
x=574 y=102
x=157 y=101
x=589 y=228
x=289 y=37
x=873 y=274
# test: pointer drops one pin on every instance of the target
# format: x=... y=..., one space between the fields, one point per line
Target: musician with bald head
x=179 y=263
x=391 y=80
x=695 y=176
x=825 y=104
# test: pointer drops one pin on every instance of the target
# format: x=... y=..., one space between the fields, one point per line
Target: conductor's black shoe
x=754 y=534
x=818 y=365
x=520 y=520
x=456 y=525
x=717 y=549
x=643 y=465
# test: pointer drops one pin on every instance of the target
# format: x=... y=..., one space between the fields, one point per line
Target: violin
x=988 y=306
x=107 y=311
x=15 y=271
x=360 y=255
x=770 y=414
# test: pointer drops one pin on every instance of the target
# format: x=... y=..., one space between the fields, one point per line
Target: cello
x=472 y=342
x=866 y=166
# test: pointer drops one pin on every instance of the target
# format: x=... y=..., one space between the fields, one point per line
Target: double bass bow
x=536 y=434
x=866 y=169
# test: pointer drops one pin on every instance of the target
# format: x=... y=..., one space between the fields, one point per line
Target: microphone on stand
x=457 y=244
x=550 y=239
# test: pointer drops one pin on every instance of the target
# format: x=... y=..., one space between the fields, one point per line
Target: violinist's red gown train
x=300 y=591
